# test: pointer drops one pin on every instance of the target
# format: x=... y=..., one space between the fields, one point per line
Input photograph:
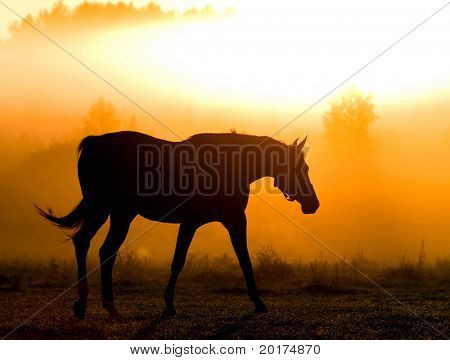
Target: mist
x=383 y=196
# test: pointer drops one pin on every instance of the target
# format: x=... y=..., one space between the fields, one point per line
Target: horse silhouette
x=126 y=174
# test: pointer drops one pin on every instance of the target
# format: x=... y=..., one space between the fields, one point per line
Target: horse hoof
x=260 y=309
x=169 y=312
x=79 y=309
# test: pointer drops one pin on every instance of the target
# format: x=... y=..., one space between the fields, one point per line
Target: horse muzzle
x=310 y=207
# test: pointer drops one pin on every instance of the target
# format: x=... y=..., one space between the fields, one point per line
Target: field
x=307 y=301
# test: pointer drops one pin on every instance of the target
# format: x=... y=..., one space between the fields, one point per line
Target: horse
x=191 y=182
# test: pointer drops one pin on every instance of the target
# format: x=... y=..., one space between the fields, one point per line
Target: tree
x=348 y=120
x=102 y=118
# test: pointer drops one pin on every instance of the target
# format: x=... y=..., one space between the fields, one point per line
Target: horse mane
x=233 y=138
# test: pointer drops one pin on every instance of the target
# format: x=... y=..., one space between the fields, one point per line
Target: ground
x=226 y=313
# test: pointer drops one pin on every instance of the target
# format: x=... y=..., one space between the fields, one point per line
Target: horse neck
x=264 y=166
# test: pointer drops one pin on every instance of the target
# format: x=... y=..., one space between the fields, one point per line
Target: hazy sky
x=401 y=11
x=24 y=7
x=281 y=55
x=252 y=72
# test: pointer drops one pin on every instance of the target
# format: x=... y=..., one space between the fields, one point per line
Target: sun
x=283 y=55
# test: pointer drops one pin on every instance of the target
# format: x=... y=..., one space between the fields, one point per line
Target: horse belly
x=178 y=209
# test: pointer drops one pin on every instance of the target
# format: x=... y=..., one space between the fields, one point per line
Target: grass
x=316 y=300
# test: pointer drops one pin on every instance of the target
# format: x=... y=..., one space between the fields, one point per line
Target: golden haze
x=208 y=71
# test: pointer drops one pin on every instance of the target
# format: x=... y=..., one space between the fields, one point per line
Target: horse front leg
x=237 y=228
x=185 y=235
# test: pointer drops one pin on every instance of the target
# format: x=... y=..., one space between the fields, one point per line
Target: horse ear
x=295 y=142
x=302 y=144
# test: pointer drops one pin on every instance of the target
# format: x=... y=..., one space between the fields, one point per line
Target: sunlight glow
x=285 y=55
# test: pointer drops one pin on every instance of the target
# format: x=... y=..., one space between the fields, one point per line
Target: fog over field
x=383 y=183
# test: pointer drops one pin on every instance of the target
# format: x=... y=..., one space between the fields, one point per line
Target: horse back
x=131 y=170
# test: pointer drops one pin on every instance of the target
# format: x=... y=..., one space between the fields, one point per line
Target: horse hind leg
x=92 y=222
x=120 y=223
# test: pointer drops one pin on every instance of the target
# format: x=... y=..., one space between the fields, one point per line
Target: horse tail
x=86 y=209
x=72 y=220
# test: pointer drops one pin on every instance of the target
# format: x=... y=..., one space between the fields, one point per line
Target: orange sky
x=277 y=59
x=253 y=71
x=285 y=54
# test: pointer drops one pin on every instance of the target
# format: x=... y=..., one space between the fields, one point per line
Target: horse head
x=293 y=179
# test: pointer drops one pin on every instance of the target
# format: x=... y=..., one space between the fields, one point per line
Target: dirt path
x=211 y=315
